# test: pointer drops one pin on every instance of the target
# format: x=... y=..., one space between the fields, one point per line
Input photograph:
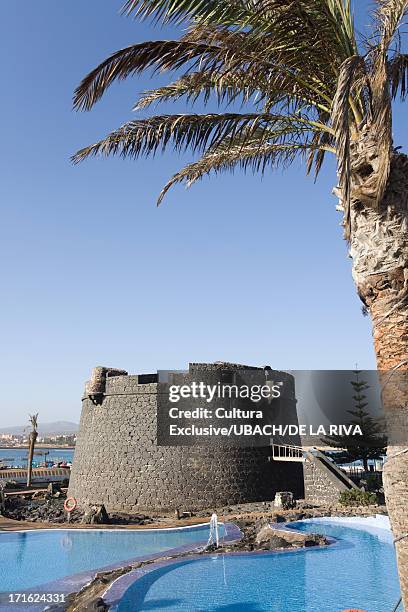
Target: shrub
x=372 y=482
x=356 y=497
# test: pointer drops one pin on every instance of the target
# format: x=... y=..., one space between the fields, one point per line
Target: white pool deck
x=378 y=525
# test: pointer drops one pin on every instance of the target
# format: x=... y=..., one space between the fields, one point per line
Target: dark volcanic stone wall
x=117 y=461
x=321 y=486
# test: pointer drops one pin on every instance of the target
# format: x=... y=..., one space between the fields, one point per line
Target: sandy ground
x=7 y=524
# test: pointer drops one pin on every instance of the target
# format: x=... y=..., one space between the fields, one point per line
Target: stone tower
x=118 y=463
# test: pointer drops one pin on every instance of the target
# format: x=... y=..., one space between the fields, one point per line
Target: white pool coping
x=378 y=524
x=124 y=529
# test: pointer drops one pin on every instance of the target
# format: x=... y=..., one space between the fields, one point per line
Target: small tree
x=32 y=440
x=372 y=444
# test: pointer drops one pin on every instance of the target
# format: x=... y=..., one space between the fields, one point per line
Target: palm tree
x=31 y=441
x=311 y=87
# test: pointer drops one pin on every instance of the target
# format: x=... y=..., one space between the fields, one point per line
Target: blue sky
x=236 y=268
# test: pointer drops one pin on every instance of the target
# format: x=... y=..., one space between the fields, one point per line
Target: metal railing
x=287 y=452
x=20 y=474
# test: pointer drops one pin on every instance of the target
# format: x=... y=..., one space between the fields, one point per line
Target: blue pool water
x=359 y=572
x=34 y=558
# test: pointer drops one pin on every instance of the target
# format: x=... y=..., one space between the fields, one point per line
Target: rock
x=275 y=541
x=38 y=495
x=9 y=484
x=315 y=539
x=48 y=510
x=96 y=515
x=278 y=518
x=210 y=547
x=284 y=500
x=269 y=537
x=118 y=518
x=51 y=510
x=53 y=489
x=94 y=605
x=98 y=605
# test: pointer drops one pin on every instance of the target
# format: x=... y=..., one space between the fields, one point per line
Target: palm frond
x=252 y=156
x=158 y=54
x=352 y=68
x=178 y=11
x=390 y=14
x=195 y=132
x=321 y=143
x=269 y=59
x=226 y=87
x=398 y=75
x=214 y=51
x=341 y=21
x=34 y=421
x=381 y=128
x=306 y=38
x=272 y=91
x=298 y=18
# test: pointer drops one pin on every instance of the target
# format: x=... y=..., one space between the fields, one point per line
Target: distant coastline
x=25 y=447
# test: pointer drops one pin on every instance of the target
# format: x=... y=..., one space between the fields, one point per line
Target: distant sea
x=17 y=457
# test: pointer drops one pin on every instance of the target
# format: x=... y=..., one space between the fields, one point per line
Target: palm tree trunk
x=32 y=441
x=379 y=249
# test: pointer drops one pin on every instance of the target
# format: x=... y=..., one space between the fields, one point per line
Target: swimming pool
x=32 y=558
x=359 y=571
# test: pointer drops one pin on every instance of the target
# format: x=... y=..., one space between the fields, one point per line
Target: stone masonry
x=322 y=485
x=118 y=463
